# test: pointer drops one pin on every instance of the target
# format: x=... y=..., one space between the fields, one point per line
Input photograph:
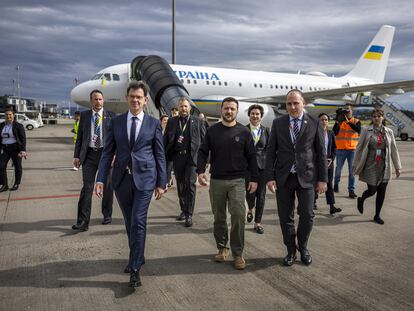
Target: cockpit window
x=115 y=77
x=107 y=76
x=97 y=76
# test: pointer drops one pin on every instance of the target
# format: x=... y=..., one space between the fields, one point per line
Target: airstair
x=393 y=113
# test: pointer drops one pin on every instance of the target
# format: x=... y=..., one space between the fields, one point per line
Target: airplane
x=207 y=86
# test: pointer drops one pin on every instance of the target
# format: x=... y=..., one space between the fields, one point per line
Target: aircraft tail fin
x=373 y=62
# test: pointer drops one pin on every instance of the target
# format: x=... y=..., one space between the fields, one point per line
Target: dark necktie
x=132 y=132
x=97 y=131
x=295 y=134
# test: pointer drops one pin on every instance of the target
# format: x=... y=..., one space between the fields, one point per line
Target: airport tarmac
x=45 y=265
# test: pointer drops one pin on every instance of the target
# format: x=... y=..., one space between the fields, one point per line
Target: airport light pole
x=173 y=32
x=18 y=82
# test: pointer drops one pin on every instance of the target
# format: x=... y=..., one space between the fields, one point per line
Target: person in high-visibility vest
x=76 y=117
x=346 y=129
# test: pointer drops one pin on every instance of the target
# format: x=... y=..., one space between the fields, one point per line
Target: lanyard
x=182 y=128
x=257 y=137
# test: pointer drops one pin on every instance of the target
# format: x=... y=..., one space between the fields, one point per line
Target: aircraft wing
x=380 y=89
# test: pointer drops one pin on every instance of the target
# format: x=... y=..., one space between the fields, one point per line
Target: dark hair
x=324 y=114
x=296 y=91
x=230 y=99
x=163 y=117
x=136 y=85
x=93 y=92
x=77 y=113
x=9 y=108
x=381 y=113
x=255 y=106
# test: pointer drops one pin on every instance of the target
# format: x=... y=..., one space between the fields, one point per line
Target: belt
x=9 y=145
x=182 y=152
x=95 y=149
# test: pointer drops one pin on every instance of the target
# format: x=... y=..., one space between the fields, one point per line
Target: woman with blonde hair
x=375 y=151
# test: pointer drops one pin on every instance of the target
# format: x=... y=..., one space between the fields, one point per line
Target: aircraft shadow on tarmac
x=67 y=274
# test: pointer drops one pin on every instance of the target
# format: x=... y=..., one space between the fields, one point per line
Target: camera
x=340 y=114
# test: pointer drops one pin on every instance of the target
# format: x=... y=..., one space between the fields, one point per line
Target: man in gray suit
x=296 y=164
x=93 y=126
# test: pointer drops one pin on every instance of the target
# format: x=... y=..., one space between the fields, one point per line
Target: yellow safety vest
x=75 y=131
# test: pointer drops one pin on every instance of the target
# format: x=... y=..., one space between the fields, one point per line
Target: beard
x=228 y=117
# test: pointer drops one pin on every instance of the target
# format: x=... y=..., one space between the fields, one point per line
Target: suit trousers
x=89 y=169
x=257 y=199
x=228 y=194
x=134 y=205
x=329 y=194
x=186 y=177
x=285 y=196
x=10 y=152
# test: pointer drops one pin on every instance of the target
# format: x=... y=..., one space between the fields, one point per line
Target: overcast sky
x=54 y=41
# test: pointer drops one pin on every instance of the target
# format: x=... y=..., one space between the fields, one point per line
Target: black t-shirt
x=232 y=152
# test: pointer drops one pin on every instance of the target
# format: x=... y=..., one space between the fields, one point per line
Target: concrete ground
x=45 y=265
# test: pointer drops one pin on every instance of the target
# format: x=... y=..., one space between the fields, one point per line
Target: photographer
x=346 y=129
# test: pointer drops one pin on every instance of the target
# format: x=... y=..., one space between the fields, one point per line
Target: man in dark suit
x=182 y=139
x=260 y=135
x=12 y=146
x=93 y=127
x=295 y=163
x=139 y=170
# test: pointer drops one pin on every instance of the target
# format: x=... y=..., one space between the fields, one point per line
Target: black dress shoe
x=336 y=188
x=259 y=229
x=305 y=257
x=181 y=216
x=134 y=280
x=82 y=226
x=188 y=221
x=290 y=258
x=4 y=188
x=127 y=269
x=15 y=187
x=352 y=195
x=360 y=205
x=378 y=220
x=106 y=220
x=333 y=209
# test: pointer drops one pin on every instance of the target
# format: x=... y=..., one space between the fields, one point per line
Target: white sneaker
x=75 y=168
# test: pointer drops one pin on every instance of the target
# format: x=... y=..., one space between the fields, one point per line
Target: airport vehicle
x=207 y=86
x=28 y=124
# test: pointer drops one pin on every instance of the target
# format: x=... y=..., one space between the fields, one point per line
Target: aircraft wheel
x=404 y=137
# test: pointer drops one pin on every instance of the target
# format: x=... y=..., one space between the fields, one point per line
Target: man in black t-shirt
x=232 y=154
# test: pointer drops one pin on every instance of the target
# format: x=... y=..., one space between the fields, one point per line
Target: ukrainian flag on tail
x=375 y=52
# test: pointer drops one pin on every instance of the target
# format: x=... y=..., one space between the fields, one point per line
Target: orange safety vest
x=347 y=138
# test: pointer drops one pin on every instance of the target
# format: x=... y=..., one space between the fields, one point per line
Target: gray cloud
x=55 y=41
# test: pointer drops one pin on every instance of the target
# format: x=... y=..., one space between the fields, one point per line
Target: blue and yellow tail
x=374 y=61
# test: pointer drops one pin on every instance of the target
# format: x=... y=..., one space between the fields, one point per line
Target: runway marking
x=42 y=197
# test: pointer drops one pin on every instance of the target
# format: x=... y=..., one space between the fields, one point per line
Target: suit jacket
x=147 y=155
x=261 y=146
x=361 y=152
x=331 y=152
x=197 y=133
x=309 y=153
x=84 y=132
x=19 y=134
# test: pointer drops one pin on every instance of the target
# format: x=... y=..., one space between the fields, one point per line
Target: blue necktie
x=295 y=134
x=132 y=132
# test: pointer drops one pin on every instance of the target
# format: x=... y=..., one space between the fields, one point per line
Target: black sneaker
x=336 y=188
x=352 y=195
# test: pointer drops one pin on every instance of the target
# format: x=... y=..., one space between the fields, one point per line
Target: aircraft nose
x=78 y=96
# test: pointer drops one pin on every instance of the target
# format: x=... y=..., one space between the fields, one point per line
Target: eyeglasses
x=376 y=117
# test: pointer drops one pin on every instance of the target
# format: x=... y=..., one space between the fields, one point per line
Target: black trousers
x=285 y=196
x=186 y=176
x=257 y=199
x=329 y=194
x=10 y=152
x=379 y=200
x=89 y=169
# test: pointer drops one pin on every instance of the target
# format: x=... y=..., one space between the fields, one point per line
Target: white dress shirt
x=138 y=123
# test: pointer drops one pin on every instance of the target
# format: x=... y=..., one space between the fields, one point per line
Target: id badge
x=94 y=137
x=180 y=139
